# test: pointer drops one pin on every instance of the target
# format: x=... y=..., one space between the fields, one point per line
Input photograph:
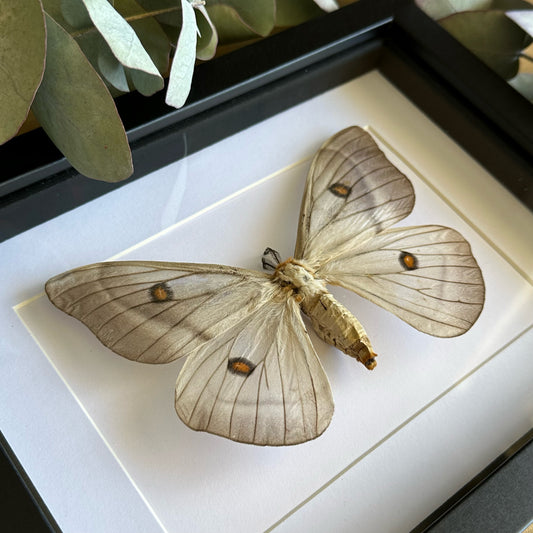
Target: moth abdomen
x=332 y=322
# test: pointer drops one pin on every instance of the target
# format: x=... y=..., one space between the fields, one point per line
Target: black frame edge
x=23 y=507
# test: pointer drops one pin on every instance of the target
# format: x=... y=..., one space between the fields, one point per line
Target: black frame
x=479 y=110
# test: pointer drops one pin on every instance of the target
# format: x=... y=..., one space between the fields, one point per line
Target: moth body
x=332 y=322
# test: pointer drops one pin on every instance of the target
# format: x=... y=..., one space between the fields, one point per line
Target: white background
x=403 y=438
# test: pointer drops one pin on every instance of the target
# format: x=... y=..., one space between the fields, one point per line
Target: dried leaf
x=77 y=112
x=22 y=53
x=179 y=82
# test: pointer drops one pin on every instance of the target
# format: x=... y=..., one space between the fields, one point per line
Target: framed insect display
x=95 y=436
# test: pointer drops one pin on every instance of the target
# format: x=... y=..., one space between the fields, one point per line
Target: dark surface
x=21 y=508
x=476 y=108
x=499 y=499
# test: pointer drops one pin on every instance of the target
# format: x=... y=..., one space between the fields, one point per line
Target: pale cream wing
x=426 y=275
x=260 y=382
x=352 y=193
x=155 y=312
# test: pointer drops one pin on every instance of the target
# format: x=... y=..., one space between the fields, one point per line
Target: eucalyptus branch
x=131 y=18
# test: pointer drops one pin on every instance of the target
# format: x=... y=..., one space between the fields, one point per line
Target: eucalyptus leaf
x=125 y=45
x=206 y=45
x=290 y=13
x=22 y=55
x=179 y=82
x=438 y=9
x=77 y=112
x=523 y=83
x=167 y=12
x=153 y=38
x=509 y=5
x=523 y=18
x=112 y=69
x=76 y=14
x=490 y=35
x=239 y=20
x=54 y=9
x=327 y=5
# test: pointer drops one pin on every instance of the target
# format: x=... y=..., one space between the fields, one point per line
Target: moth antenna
x=270 y=259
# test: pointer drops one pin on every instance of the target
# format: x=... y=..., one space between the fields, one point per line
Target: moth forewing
x=155 y=312
x=352 y=193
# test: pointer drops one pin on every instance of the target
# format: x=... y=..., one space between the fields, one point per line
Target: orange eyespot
x=408 y=261
x=240 y=366
x=340 y=189
x=160 y=292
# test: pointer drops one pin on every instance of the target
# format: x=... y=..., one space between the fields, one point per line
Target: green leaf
x=54 y=9
x=76 y=14
x=111 y=68
x=239 y=20
x=167 y=12
x=507 y=5
x=208 y=39
x=22 y=53
x=179 y=81
x=125 y=45
x=149 y=31
x=523 y=83
x=77 y=112
x=290 y=13
x=523 y=18
x=327 y=5
x=438 y=9
x=490 y=35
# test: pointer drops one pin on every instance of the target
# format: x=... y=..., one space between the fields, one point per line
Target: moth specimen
x=252 y=374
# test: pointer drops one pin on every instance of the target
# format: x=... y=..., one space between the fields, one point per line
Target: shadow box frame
x=475 y=107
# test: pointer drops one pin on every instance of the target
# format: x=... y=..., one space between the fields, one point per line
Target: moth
x=252 y=374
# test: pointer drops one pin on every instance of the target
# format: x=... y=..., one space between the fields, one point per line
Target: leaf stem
x=526 y=56
x=131 y=18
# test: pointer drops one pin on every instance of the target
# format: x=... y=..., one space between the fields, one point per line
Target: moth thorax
x=299 y=278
